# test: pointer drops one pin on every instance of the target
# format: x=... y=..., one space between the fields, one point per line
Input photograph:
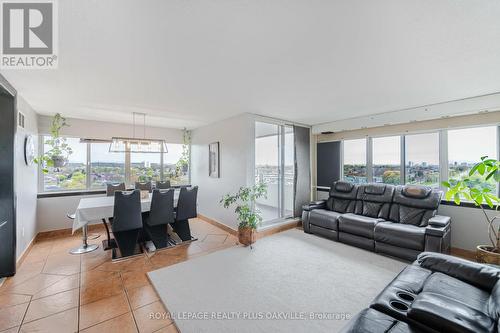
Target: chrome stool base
x=93 y=236
x=84 y=249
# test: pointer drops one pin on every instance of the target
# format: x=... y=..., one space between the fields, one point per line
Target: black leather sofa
x=437 y=293
x=399 y=221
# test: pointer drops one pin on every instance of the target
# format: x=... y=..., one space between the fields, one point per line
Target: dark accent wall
x=7 y=196
x=328 y=163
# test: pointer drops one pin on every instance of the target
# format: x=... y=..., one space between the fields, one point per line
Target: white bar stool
x=85 y=247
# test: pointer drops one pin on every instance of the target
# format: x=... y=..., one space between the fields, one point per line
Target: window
x=176 y=164
x=274 y=166
x=145 y=167
x=422 y=159
x=73 y=175
x=466 y=147
x=387 y=160
x=105 y=167
x=102 y=167
x=355 y=161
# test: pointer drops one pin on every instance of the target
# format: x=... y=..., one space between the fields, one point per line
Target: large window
x=105 y=167
x=387 y=160
x=145 y=167
x=355 y=161
x=93 y=158
x=466 y=147
x=73 y=175
x=176 y=164
x=422 y=159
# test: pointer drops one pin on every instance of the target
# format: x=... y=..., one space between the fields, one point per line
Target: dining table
x=96 y=208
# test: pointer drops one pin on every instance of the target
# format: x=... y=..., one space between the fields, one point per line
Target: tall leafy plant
x=248 y=215
x=59 y=147
x=470 y=189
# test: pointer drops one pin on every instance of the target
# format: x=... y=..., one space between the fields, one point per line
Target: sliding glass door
x=274 y=166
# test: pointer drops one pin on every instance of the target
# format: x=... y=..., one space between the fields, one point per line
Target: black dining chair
x=186 y=209
x=111 y=188
x=127 y=223
x=162 y=185
x=148 y=186
x=155 y=224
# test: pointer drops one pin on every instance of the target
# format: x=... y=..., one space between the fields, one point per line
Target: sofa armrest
x=320 y=204
x=479 y=275
x=439 y=221
x=438 y=226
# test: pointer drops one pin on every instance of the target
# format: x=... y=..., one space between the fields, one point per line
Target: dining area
x=147 y=217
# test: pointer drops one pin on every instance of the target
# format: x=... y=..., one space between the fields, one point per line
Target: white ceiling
x=189 y=63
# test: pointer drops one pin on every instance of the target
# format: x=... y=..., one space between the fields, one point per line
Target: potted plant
x=249 y=216
x=472 y=189
x=57 y=155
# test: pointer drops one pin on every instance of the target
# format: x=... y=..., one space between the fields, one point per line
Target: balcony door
x=274 y=166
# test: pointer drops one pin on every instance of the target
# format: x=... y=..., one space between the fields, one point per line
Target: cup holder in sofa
x=405 y=296
x=399 y=306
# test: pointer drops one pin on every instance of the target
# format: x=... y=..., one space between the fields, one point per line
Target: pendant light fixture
x=135 y=144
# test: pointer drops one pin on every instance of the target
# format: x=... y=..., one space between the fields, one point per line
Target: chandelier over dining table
x=135 y=144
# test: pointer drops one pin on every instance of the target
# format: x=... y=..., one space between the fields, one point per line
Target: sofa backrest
x=414 y=204
x=342 y=197
x=374 y=200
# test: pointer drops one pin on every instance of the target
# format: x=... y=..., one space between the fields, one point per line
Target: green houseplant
x=57 y=155
x=249 y=217
x=475 y=188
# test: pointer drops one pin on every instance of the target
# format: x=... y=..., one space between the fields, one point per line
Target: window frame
x=88 y=188
x=443 y=151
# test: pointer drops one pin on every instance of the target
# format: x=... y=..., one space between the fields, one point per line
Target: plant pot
x=484 y=255
x=59 y=161
x=247 y=236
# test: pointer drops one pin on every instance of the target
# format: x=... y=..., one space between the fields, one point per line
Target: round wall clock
x=29 y=150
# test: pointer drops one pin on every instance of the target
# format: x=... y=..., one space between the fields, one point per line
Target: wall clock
x=29 y=150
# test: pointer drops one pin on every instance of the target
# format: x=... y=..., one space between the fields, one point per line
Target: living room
x=236 y=166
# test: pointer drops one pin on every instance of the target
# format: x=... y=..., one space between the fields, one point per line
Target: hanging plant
x=57 y=156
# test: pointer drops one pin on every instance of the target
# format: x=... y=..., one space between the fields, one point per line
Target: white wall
x=51 y=212
x=91 y=129
x=26 y=180
x=468 y=228
x=236 y=138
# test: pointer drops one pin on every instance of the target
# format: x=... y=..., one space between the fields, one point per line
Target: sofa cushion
x=448 y=315
x=479 y=275
x=493 y=306
x=374 y=200
x=442 y=284
x=358 y=224
x=342 y=197
x=324 y=218
x=403 y=235
x=414 y=204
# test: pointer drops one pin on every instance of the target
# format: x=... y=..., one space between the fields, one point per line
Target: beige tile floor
x=54 y=291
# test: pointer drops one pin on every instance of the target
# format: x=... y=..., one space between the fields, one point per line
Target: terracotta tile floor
x=54 y=291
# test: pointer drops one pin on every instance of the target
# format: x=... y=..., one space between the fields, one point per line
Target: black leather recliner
x=437 y=293
x=400 y=221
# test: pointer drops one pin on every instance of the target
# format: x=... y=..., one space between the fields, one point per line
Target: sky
x=464 y=145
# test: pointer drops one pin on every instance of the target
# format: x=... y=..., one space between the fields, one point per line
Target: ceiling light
x=137 y=145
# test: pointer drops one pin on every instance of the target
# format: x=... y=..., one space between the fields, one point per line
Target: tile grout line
x=128 y=302
x=79 y=297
